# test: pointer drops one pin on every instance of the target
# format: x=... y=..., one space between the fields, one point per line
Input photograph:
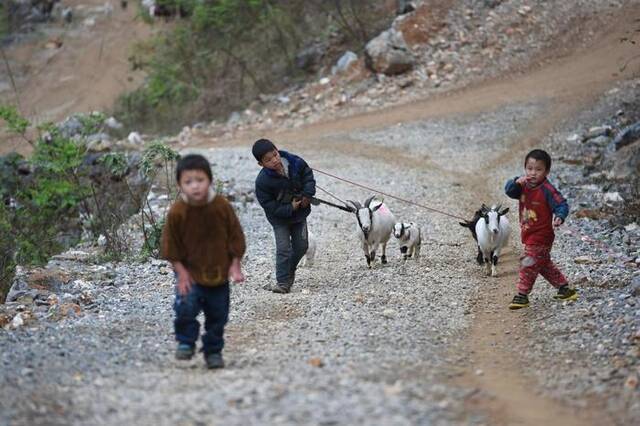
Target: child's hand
x=236 y=276
x=185 y=282
x=557 y=221
x=522 y=180
x=235 y=272
x=296 y=204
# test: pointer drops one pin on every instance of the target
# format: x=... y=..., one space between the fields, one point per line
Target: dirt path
x=566 y=84
x=507 y=395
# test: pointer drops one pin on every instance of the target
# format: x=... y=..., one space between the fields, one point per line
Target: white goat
x=409 y=237
x=493 y=231
x=375 y=225
x=307 y=260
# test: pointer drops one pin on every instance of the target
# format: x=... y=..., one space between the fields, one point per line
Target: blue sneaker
x=184 y=351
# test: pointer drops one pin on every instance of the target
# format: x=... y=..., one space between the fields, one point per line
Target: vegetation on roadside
x=226 y=52
x=48 y=200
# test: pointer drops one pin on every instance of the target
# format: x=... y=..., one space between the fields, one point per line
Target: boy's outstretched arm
x=513 y=189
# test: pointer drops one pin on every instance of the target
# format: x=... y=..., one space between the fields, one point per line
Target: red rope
x=388 y=195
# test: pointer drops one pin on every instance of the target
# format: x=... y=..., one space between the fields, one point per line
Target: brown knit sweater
x=204 y=239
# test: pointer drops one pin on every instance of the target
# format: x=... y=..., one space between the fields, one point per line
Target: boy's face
x=195 y=185
x=271 y=160
x=536 y=171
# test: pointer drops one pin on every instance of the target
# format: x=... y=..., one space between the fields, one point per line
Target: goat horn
x=498 y=207
x=368 y=202
x=355 y=204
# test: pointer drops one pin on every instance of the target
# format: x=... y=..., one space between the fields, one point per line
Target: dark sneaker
x=214 y=360
x=566 y=293
x=184 y=351
x=519 y=301
x=276 y=288
x=280 y=288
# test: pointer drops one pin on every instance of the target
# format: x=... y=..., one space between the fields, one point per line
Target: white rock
x=17 y=321
x=389 y=313
x=113 y=123
x=574 y=137
x=613 y=197
x=134 y=138
x=344 y=62
x=102 y=240
x=325 y=80
x=631 y=227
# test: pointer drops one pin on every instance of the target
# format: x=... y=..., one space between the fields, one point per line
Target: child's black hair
x=540 y=155
x=193 y=162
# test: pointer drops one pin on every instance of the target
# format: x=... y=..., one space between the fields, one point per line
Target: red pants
x=537 y=260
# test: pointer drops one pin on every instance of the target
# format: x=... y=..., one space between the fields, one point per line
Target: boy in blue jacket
x=284 y=188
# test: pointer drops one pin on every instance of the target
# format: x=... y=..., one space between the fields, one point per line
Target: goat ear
x=505 y=211
x=484 y=208
x=355 y=204
x=368 y=202
x=376 y=207
x=464 y=224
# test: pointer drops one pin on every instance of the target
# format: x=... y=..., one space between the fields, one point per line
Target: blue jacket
x=270 y=186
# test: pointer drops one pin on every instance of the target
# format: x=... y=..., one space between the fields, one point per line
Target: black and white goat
x=492 y=230
x=471 y=225
x=375 y=225
x=409 y=237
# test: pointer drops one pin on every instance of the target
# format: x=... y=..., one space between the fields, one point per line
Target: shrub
x=228 y=51
x=7 y=253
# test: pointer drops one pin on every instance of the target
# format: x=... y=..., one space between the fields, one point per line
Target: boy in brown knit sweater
x=203 y=240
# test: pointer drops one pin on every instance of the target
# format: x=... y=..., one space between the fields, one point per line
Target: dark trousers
x=291 y=245
x=214 y=302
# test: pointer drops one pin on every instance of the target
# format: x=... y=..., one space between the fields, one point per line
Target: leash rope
x=387 y=195
x=330 y=194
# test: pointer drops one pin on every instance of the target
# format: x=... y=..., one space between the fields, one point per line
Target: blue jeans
x=214 y=302
x=291 y=245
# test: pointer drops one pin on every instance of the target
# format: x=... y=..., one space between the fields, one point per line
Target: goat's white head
x=399 y=230
x=491 y=218
x=365 y=214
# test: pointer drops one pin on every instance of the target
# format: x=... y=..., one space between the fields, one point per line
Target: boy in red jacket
x=541 y=208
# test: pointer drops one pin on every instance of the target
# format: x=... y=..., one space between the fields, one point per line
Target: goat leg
x=384 y=253
x=494 y=264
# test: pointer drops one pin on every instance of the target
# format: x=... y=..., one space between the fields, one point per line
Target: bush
x=228 y=51
x=41 y=219
x=66 y=186
x=7 y=252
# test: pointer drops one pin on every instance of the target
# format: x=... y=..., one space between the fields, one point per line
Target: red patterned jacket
x=537 y=207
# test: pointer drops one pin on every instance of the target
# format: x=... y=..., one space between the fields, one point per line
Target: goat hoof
x=384 y=260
